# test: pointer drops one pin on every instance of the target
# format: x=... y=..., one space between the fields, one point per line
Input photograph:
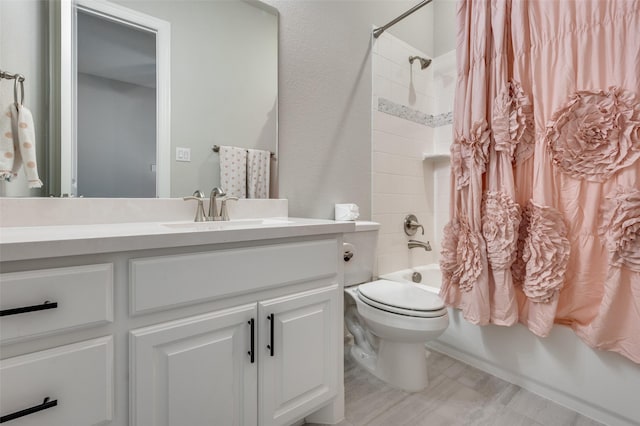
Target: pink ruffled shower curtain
x=545 y=206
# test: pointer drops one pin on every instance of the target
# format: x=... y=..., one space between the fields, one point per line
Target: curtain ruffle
x=620 y=228
x=470 y=154
x=500 y=223
x=448 y=253
x=461 y=260
x=519 y=267
x=545 y=254
x=595 y=134
x=512 y=122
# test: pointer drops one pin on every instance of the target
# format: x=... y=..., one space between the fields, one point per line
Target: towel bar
x=216 y=148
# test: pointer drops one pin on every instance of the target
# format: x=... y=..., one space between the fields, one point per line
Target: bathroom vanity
x=180 y=323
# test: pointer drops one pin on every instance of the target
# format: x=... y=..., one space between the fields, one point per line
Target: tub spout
x=419 y=244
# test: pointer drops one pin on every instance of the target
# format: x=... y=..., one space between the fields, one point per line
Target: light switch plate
x=183 y=154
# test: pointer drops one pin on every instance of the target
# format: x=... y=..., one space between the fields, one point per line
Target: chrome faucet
x=213 y=208
x=419 y=244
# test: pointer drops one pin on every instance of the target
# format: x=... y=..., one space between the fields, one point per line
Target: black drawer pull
x=252 y=352
x=270 y=345
x=25 y=309
x=45 y=404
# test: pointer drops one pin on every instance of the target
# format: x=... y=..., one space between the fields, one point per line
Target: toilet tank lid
x=362 y=225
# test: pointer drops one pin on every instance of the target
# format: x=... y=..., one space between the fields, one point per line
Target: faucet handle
x=199 y=197
x=411 y=225
x=223 y=207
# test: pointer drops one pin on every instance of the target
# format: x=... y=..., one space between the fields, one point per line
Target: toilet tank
x=360 y=267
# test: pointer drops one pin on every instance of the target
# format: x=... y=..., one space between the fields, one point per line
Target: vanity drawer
x=165 y=281
x=77 y=296
x=77 y=379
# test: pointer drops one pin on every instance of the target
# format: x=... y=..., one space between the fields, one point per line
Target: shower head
x=424 y=62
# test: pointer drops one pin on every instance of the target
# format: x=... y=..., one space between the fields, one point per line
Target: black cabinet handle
x=25 y=309
x=45 y=404
x=270 y=345
x=252 y=352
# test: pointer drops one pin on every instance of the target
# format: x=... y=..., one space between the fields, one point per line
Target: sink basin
x=231 y=224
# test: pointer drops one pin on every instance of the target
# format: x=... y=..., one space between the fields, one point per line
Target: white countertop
x=36 y=242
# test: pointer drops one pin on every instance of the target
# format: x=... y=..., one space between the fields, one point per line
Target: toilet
x=390 y=321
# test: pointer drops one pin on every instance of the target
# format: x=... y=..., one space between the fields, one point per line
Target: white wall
x=444 y=27
x=325 y=98
x=23 y=47
x=444 y=81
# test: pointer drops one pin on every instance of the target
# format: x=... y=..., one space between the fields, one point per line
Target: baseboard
x=585 y=408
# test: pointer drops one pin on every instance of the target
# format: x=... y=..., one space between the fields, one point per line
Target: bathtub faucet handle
x=411 y=225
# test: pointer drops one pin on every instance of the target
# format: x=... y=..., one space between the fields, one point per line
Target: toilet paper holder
x=348 y=251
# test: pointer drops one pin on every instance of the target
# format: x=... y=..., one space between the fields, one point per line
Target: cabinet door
x=196 y=371
x=298 y=366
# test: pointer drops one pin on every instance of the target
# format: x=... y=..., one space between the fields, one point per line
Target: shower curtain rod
x=378 y=31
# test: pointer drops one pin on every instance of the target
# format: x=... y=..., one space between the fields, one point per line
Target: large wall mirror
x=146 y=89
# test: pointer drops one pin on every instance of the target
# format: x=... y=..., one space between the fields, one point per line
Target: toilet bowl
x=390 y=321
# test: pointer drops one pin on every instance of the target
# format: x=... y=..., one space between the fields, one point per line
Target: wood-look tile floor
x=457 y=395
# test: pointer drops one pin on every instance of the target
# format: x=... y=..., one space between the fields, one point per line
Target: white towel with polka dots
x=258 y=173
x=233 y=171
x=7 y=151
x=18 y=145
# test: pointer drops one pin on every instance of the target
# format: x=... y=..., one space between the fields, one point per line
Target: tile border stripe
x=406 y=113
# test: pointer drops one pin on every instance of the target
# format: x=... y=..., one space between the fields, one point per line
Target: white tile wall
x=444 y=80
x=402 y=182
x=445 y=77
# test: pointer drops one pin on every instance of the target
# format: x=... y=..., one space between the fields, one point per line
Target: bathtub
x=431 y=276
x=560 y=367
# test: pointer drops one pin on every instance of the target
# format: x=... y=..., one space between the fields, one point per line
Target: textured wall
x=325 y=98
x=444 y=26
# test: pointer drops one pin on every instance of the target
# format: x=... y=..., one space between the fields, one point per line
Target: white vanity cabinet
x=165 y=332
x=297 y=363
x=51 y=301
x=200 y=370
x=66 y=384
x=261 y=364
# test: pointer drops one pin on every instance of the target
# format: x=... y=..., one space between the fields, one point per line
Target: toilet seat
x=401 y=299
